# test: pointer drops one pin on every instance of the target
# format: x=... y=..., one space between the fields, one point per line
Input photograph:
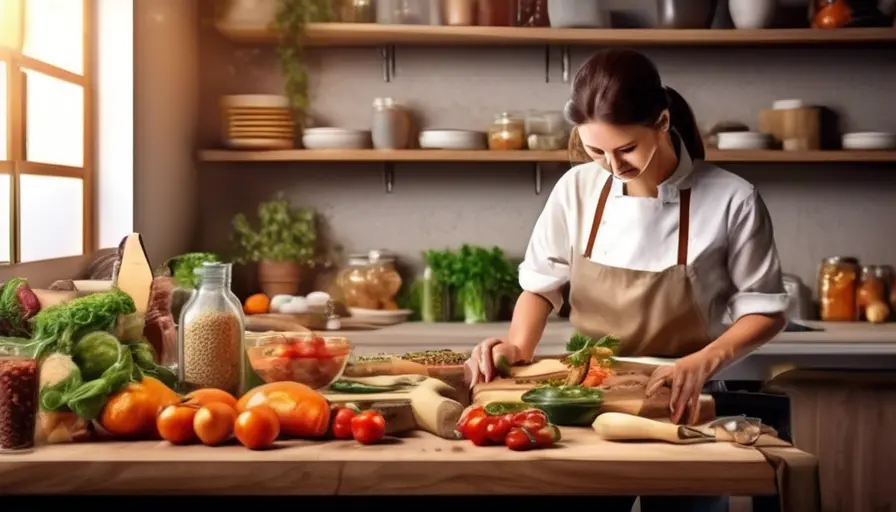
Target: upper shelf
x=372 y=34
x=435 y=155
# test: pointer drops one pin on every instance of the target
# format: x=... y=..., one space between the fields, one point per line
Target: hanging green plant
x=292 y=16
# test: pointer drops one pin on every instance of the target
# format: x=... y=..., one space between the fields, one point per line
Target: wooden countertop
x=420 y=464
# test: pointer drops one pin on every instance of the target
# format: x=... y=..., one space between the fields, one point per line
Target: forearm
x=747 y=334
x=530 y=315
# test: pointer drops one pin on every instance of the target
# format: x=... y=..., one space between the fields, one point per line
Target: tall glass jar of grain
x=211 y=335
x=838 y=281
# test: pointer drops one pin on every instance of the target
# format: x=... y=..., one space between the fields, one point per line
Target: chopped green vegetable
x=563 y=394
x=583 y=347
x=502 y=408
x=348 y=386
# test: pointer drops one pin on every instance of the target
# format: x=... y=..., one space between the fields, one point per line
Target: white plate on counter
x=380 y=316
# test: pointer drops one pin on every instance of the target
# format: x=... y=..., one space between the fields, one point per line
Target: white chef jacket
x=731 y=246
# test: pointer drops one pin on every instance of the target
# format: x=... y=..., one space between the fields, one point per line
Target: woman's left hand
x=686 y=379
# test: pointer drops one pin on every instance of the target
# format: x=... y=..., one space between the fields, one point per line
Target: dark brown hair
x=623 y=87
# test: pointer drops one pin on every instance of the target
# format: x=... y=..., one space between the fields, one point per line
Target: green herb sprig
x=583 y=348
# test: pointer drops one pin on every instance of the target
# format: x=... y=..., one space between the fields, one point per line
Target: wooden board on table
x=624 y=392
x=284 y=322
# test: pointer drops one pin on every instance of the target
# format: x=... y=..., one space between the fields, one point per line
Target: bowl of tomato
x=308 y=358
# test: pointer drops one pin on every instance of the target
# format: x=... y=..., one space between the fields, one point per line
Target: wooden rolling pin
x=617 y=426
x=428 y=400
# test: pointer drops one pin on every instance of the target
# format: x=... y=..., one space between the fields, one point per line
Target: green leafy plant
x=583 y=348
x=285 y=234
x=290 y=21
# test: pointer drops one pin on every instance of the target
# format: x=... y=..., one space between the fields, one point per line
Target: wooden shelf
x=372 y=34
x=432 y=155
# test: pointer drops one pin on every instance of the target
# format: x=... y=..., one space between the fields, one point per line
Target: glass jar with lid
x=384 y=281
x=838 y=281
x=211 y=334
x=871 y=288
x=507 y=132
x=353 y=282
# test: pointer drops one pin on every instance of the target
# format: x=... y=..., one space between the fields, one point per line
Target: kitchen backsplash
x=818 y=210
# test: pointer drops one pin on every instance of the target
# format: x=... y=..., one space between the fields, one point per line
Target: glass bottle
x=211 y=334
x=838 y=280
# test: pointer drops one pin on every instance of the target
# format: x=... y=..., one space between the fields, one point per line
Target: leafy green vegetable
x=583 y=347
x=183 y=267
x=57 y=327
x=95 y=352
x=88 y=399
x=145 y=358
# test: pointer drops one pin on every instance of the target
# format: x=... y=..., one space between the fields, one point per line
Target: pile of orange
x=211 y=416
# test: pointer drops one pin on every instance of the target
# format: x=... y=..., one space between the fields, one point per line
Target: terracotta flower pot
x=280 y=277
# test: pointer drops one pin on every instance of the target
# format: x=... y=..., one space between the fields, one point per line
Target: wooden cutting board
x=623 y=392
x=283 y=322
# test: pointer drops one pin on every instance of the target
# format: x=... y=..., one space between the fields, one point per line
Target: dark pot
x=683 y=14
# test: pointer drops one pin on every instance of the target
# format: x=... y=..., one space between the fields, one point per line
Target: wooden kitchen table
x=416 y=465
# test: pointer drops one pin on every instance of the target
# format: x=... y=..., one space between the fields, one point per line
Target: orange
x=132 y=411
x=257 y=428
x=213 y=423
x=207 y=396
x=257 y=304
x=175 y=424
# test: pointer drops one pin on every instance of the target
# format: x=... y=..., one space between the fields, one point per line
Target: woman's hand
x=686 y=379
x=491 y=357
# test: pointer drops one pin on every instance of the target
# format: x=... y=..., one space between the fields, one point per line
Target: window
x=46 y=144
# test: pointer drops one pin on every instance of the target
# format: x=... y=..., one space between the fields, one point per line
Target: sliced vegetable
x=501 y=408
x=348 y=386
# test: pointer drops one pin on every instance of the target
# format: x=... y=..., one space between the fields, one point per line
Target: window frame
x=16 y=166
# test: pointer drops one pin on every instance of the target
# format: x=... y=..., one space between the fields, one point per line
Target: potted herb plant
x=284 y=246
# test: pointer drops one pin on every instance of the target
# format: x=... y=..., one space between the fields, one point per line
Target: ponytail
x=683 y=120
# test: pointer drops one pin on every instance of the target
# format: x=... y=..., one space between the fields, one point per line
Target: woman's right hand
x=490 y=358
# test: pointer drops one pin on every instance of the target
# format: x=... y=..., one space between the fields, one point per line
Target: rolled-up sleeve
x=545 y=268
x=753 y=262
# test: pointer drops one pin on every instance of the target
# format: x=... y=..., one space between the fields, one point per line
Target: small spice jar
x=391 y=125
x=19 y=383
x=838 y=281
x=211 y=334
x=507 y=132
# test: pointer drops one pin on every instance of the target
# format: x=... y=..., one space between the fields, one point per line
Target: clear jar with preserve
x=871 y=288
x=370 y=281
x=838 y=285
x=507 y=132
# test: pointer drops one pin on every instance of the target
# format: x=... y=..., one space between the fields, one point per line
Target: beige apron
x=654 y=314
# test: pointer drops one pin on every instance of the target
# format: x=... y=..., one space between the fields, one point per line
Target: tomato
x=497 y=428
x=342 y=423
x=476 y=430
x=214 y=422
x=475 y=411
x=523 y=439
x=368 y=427
x=531 y=419
x=175 y=424
x=257 y=427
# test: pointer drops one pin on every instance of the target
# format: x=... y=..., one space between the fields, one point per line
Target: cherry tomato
x=523 y=439
x=531 y=419
x=287 y=351
x=475 y=411
x=368 y=427
x=342 y=422
x=476 y=430
x=318 y=346
x=497 y=429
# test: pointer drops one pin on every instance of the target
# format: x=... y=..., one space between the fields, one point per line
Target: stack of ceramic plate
x=257 y=121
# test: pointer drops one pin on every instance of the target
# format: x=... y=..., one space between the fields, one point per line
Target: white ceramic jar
x=752 y=14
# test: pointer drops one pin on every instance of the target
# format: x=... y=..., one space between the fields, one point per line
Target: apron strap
x=684 y=223
x=598 y=214
x=684 y=218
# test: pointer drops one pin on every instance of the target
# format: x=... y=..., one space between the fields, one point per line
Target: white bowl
x=336 y=138
x=744 y=140
x=452 y=139
x=869 y=140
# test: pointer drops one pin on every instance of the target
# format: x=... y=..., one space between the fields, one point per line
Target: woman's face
x=625 y=150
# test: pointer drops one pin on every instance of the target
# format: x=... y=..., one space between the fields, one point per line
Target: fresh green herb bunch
x=290 y=21
x=185 y=265
x=286 y=234
x=584 y=347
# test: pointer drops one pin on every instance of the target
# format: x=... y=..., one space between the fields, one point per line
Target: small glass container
x=19 y=382
x=838 y=280
x=507 y=132
x=211 y=334
x=353 y=281
x=871 y=289
x=497 y=13
x=383 y=279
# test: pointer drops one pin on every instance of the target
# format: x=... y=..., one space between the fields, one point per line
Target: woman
x=656 y=245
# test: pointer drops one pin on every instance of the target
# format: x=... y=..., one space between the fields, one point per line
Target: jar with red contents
x=18 y=401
